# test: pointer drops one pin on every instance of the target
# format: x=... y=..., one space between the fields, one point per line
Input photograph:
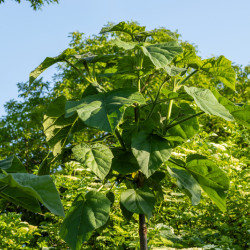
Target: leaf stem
x=185 y=119
x=74 y=67
x=118 y=136
x=183 y=81
x=156 y=98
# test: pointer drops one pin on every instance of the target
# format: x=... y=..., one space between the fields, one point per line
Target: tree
x=36 y=4
x=133 y=124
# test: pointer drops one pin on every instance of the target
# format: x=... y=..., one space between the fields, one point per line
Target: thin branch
x=194 y=72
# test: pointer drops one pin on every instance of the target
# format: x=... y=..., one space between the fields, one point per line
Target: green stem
x=156 y=98
x=119 y=137
x=185 y=119
x=194 y=72
x=175 y=86
x=74 y=67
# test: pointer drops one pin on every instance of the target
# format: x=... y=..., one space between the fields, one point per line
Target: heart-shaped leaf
x=207 y=102
x=139 y=201
x=85 y=215
x=211 y=178
x=97 y=157
x=104 y=110
x=161 y=54
x=150 y=151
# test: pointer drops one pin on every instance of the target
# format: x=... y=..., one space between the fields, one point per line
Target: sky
x=217 y=27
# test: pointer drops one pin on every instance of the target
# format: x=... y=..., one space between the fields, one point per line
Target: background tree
x=36 y=4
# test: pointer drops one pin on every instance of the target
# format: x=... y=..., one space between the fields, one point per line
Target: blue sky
x=218 y=27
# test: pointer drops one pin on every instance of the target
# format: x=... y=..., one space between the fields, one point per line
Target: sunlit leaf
x=161 y=54
x=207 y=102
x=49 y=61
x=104 y=110
x=97 y=157
x=130 y=29
x=221 y=69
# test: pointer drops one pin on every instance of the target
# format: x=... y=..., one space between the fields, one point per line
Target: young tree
x=136 y=109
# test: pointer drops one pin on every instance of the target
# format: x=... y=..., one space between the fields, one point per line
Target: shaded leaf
x=185 y=130
x=127 y=214
x=139 y=201
x=28 y=190
x=187 y=181
x=150 y=151
x=97 y=157
x=12 y=165
x=211 y=179
x=207 y=102
x=85 y=215
x=124 y=163
x=57 y=128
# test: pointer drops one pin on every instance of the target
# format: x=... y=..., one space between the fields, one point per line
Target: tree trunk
x=143 y=232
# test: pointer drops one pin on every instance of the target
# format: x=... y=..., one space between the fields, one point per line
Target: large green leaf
x=104 y=110
x=130 y=29
x=161 y=54
x=85 y=215
x=57 y=128
x=91 y=58
x=124 y=45
x=150 y=151
x=240 y=113
x=188 y=59
x=49 y=61
x=173 y=71
x=186 y=129
x=221 y=70
x=187 y=181
x=211 y=178
x=207 y=102
x=140 y=201
x=12 y=165
x=97 y=157
x=124 y=162
x=28 y=190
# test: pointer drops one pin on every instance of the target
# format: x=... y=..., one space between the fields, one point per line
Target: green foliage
x=36 y=4
x=86 y=214
x=97 y=157
x=121 y=128
x=140 y=201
